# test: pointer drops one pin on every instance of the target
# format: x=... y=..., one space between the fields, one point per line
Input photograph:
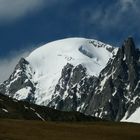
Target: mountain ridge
x=21 y=110
x=117 y=86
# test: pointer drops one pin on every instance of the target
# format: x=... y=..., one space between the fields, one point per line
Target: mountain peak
x=22 y=60
x=129 y=43
x=21 y=64
x=129 y=48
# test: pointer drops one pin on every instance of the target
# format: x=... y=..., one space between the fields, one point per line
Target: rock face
x=117 y=93
x=73 y=88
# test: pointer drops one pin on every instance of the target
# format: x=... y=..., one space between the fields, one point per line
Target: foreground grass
x=37 y=130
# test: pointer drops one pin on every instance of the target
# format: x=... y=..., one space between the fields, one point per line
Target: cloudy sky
x=27 y=24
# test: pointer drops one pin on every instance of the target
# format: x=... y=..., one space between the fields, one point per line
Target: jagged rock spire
x=129 y=48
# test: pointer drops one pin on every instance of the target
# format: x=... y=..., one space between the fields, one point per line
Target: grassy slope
x=37 y=130
x=21 y=110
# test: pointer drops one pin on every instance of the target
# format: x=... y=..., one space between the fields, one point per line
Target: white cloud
x=12 y=9
x=15 y=9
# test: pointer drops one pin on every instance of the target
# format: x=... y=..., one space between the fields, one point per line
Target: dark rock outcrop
x=117 y=91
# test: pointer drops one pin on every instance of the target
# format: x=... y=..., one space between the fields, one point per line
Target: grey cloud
x=115 y=13
x=126 y=3
x=121 y=16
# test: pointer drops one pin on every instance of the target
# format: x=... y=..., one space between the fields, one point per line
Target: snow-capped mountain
x=78 y=74
x=48 y=61
x=35 y=77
